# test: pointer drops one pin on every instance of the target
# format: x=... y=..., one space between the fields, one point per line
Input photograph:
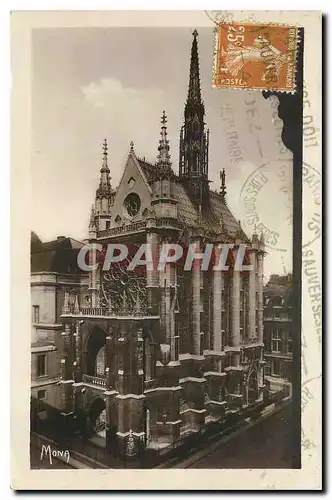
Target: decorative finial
x=132 y=146
x=164 y=158
x=124 y=302
x=254 y=234
x=110 y=308
x=223 y=185
x=76 y=306
x=137 y=307
x=195 y=33
x=104 y=189
x=92 y=217
x=66 y=308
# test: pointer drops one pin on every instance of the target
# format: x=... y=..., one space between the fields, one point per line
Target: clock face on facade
x=132 y=204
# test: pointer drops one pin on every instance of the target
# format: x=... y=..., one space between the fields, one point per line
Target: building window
x=276 y=368
x=35 y=310
x=41 y=394
x=202 y=344
x=223 y=338
x=176 y=347
x=268 y=368
x=289 y=343
x=100 y=363
x=223 y=299
x=148 y=361
x=241 y=299
x=41 y=365
x=108 y=224
x=276 y=341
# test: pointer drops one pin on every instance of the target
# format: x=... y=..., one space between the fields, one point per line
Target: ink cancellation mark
x=267 y=201
x=255 y=56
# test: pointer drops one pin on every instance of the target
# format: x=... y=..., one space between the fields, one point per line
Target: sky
x=94 y=83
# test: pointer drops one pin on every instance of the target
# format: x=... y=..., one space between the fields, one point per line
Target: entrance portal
x=97 y=417
x=95 y=363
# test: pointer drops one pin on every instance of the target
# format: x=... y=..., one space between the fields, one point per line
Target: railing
x=103 y=311
x=94 y=311
x=93 y=380
x=129 y=228
x=268 y=316
x=166 y=222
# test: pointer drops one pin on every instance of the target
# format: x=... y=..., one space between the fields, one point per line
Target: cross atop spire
x=132 y=146
x=195 y=33
x=105 y=148
x=164 y=118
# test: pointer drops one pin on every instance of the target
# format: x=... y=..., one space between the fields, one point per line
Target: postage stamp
x=255 y=56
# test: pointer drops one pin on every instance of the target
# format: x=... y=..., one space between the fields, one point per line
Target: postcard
x=166 y=251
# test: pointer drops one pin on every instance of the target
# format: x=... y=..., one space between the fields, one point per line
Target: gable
x=133 y=195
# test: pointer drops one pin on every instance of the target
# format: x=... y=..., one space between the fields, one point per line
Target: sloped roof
x=188 y=210
x=279 y=287
x=147 y=167
x=55 y=256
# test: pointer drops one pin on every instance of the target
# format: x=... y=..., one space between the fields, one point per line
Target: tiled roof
x=188 y=210
x=147 y=168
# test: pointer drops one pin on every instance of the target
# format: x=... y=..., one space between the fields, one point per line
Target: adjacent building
x=278 y=333
x=54 y=272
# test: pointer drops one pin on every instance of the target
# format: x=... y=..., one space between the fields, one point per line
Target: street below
x=266 y=445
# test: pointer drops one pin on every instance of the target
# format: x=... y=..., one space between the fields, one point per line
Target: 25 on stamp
x=255 y=56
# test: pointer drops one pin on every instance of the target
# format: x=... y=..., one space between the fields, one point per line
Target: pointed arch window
x=100 y=362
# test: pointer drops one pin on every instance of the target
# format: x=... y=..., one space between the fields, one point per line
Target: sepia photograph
x=170 y=204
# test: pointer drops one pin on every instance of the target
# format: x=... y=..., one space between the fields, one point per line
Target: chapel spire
x=163 y=186
x=164 y=163
x=194 y=91
x=105 y=188
x=194 y=139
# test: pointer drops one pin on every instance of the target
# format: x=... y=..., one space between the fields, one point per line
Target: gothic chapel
x=149 y=356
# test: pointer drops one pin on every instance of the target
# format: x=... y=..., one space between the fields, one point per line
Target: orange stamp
x=255 y=56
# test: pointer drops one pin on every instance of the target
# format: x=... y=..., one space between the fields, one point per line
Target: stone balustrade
x=94 y=380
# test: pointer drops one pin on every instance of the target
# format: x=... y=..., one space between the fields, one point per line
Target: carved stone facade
x=180 y=347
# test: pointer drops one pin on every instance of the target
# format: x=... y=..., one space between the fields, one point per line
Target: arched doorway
x=252 y=387
x=97 y=417
x=95 y=361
